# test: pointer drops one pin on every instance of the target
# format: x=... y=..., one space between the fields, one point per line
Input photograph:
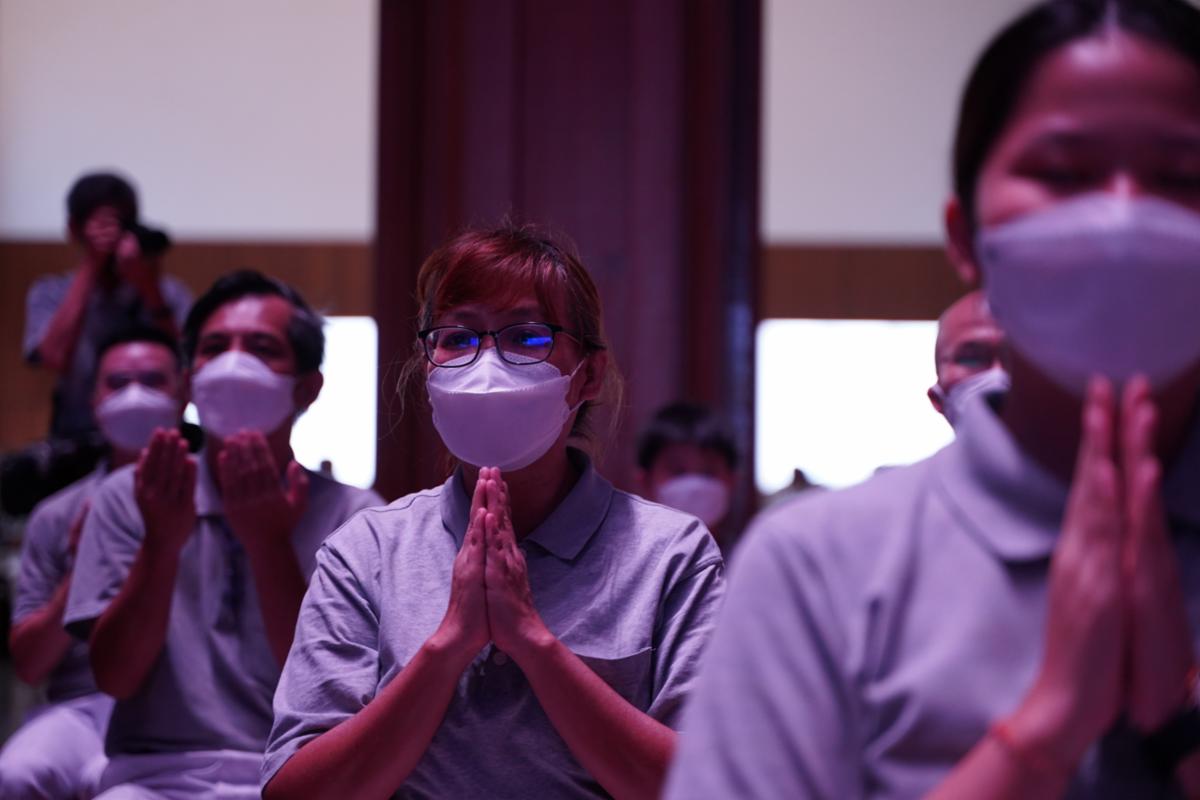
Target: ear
x=595 y=369
x=936 y=400
x=308 y=387
x=960 y=245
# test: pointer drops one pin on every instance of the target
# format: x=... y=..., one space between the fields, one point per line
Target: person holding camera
x=117 y=283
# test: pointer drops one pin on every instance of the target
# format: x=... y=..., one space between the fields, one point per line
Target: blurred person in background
x=118 y=282
x=59 y=751
x=969 y=356
x=190 y=571
x=687 y=460
x=1014 y=617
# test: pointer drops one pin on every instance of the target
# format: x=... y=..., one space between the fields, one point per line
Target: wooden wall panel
x=336 y=277
x=856 y=282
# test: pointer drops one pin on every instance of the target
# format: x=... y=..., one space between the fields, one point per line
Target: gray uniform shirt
x=107 y=312
x=872 y=635
x=211 y=687
x=628 y=585
x=45 y=561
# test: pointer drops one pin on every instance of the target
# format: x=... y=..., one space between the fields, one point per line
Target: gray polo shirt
x=872 y=635
x=628 y=585
x=212 y=685
x=44 y=562
x=107 y=312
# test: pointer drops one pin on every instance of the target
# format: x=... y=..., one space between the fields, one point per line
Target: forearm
x=156 y=306
x=57 y=346
x=1015 y=760
x=130 y=634
x=371 y=754
x=280 y=587
x=623 y=748
x=38 y=642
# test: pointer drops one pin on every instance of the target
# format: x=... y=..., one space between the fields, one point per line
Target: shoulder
x=342 y=495
x=846 y=531
x=366 y=530
x=65 y=503
x=650 y=530
x=48 y=287
x=175 y=290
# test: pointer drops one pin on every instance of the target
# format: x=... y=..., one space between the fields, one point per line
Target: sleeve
x=685 y=624
x=773 y=715
x=43 y=299
x=178 y=299
x=42 y=565
x=332 y=670
x=112 y=536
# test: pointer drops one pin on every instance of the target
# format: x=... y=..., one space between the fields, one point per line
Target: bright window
x=841 y=398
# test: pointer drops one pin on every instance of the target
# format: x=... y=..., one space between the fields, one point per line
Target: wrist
x=162 y=547
x=450 y=646
x=537 y=646
x=1048 y=732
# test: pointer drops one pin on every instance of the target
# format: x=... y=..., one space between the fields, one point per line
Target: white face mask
x=129 y=416
x=701 y=496
x=496 y=414
x=991 y=381
x=1098 y=285
x=236 y=391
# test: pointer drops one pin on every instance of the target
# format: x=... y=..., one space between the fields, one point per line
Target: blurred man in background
x=969 y=356
x=59 y=752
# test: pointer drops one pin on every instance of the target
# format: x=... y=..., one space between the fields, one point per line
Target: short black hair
x=97 y=189
x=140 y=333
x=685 y=423
x=1001 y=73
x=304 y=331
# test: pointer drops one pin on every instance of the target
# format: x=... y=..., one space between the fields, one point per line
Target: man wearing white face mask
x=59 y=752
x=196 y=567
x=968 y=356
x=687 y=460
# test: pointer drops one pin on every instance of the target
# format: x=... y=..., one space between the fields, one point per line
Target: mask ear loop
x=571 y=377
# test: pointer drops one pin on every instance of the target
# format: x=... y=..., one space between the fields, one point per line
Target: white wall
x=237 y=118
x=859 y=104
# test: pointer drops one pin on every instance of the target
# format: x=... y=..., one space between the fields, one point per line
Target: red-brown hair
x=500 y=266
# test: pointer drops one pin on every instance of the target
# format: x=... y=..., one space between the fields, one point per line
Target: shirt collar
x=1007 y=500
x=568 y=528
x=1014 y=504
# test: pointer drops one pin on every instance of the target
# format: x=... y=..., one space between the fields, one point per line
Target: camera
x=151 y=241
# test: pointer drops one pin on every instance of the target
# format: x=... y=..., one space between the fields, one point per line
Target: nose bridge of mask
x=490 y=373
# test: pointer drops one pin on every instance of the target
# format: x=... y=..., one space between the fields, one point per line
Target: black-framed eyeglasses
x=521 y=344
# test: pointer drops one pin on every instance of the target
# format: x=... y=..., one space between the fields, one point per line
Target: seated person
x=117 y=283
x=191 y=570
x=1014 y=618
x=59 y=751
x=687 y=460
x=524 y=629
x=969 y=356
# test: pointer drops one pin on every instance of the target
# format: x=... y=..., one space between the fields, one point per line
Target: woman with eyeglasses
x=524 y=629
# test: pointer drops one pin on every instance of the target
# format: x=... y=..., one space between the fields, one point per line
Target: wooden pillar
x=629 y=125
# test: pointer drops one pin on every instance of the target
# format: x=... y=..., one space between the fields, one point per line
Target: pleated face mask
x=128 y=417
x=1101 y=284
x=495 y=414
x=237 y=391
